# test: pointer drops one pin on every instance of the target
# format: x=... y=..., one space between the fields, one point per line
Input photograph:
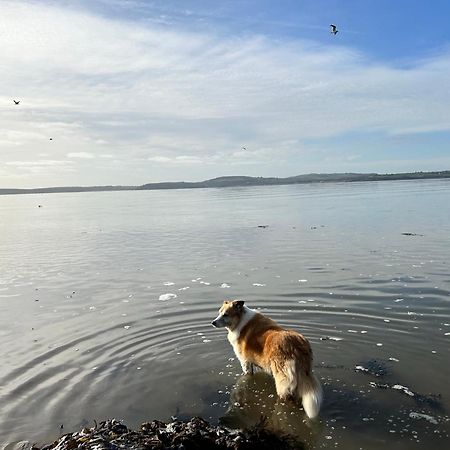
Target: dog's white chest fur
x=233 y=335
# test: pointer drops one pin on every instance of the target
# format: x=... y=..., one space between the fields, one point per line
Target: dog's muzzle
x=214 y=323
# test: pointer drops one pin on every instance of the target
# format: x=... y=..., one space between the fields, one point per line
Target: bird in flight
x=333 y=29
x=243 y=148
x=16 y=102
x=51 y=139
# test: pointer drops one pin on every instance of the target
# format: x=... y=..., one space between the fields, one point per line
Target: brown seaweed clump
x=196 y=434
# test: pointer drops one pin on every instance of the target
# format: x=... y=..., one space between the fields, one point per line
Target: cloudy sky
x=133 y=91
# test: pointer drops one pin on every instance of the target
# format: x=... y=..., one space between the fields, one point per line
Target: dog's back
x=264 y=341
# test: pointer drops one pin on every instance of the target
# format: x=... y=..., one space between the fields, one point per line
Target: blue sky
x=135 y=91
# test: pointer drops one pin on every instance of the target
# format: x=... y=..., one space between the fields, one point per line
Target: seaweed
x=195 y=434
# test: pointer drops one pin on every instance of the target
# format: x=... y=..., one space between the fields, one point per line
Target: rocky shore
x=196 y=434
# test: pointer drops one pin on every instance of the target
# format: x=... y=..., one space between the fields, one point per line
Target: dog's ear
x=239 y=304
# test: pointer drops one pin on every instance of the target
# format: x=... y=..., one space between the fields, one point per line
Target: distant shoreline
x=236 y=181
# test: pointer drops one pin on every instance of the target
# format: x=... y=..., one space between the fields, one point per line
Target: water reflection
x=253 y=399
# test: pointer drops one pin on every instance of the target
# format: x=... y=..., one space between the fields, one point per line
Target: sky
x=131 y=91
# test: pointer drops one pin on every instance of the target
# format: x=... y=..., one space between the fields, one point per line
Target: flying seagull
x=51 y=139
x=16 y=102
x=333 y=29
x=243 y=148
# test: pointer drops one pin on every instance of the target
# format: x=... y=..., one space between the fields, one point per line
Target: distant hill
x=62 y=189
x=241 y=181
x=298 y=179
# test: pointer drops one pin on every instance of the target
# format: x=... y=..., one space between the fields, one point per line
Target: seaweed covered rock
x=196 y=434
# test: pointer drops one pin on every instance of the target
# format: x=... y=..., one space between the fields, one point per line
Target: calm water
x=85 y=335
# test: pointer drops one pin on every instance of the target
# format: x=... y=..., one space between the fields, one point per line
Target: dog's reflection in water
x=254 y=398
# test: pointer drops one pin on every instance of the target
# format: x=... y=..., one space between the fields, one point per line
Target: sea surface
x=106 y=302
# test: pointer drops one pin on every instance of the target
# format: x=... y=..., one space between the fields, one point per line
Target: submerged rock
x=373 y=367
x=197 y=434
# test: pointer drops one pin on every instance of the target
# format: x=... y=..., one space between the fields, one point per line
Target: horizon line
x=41 y=189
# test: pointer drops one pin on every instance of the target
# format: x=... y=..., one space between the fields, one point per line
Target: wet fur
x=259 y=341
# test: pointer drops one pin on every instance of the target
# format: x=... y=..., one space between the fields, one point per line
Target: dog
x=259 y=341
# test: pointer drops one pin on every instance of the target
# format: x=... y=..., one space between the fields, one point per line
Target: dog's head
x=229 y=314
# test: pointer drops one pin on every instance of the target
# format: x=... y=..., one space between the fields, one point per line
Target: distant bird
x=333 y=29
x=243 y=148
x=16 y=102
x=51 y=139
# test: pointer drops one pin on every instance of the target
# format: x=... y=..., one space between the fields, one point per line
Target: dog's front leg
x=247 y=367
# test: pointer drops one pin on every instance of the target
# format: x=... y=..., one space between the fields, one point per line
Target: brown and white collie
x=286 y=354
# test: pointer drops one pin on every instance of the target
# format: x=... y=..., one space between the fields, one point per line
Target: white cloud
x=176 y=98
x=159 y=159
x=181 y=159
x=81 y=155
x=43 y=162
x=44 y=167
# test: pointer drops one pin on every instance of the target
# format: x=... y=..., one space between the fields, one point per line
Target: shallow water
x=88 y=330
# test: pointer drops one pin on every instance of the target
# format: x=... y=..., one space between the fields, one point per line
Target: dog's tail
x=310 y=390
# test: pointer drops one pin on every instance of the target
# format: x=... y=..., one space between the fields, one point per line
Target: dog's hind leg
x=285 y=376
x=247 y=367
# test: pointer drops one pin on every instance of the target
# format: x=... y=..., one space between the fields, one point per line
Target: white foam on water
x=126 y=327
x=391 y=358
x=168 y=283
x=303 y=281
x=416 y=415
x=404 y=389
x=183 y=288
x=379 y=344
x=258 y=284
x=169 y=296
x=224 y=285
x=352 y=331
